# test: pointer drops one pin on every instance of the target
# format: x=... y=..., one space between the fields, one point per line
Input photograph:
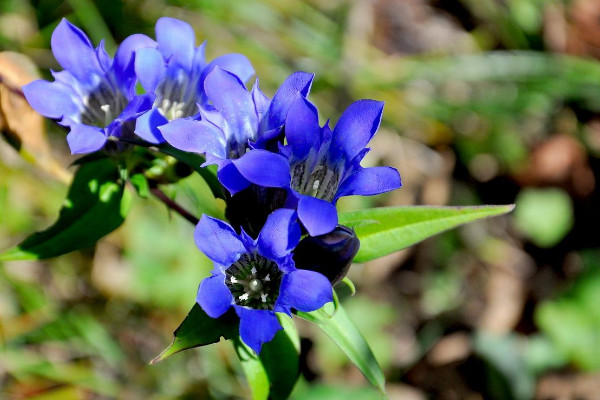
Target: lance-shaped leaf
x=198 y=329
x=95 y=206
x=384 y=230
x=273 y=373
x=340 y=328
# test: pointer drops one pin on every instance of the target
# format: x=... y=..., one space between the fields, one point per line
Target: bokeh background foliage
x=486 y=102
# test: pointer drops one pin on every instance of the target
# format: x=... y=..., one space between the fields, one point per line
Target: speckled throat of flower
x=254 y=281
x=320 y=181
x=102 y=105
x=175 y=98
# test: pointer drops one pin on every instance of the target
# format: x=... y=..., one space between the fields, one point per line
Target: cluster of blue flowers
x=282 y=172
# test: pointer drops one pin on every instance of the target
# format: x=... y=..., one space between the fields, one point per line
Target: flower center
x=102 y=105
x=254 y=281
x=320 y=182
x=175 y=96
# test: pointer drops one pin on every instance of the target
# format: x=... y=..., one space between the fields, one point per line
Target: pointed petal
x=218 y=241
x=149 y=67
x=124 y=64
x=194 y=136
x=305 y=290
x=231 y=98
x=176 y=41
x=147 y=124
x=302 y=128
x=318 y=216
x=356 y=127
x=38 y=92
x=280 y=234
x=213 y=296
x=261 y=102
x=297 y=84
x=370 y=181
x=257 y=327
x=264 y=168
x=237 y=64
x=231 y=179
x=74 y=51
x=85 y=139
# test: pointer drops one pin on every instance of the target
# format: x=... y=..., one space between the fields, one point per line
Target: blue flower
x=320 y=165
x=257 y=277
x=241 y=120
x=174 y=70
x=93 y=94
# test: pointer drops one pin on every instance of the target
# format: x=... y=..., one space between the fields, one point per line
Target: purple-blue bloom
x=93 y=95
x=257 y=277
x=239 y=121
x=174 y=70
x=321 y=165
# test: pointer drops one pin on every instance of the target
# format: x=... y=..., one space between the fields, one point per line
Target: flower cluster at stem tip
x=281 y=171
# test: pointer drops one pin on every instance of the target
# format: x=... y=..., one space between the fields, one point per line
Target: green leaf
x=273 y=373
x=344 y=333
x=95 y=206
x=198 y=329
x=384 y=230
x=140 y=183
x=194 y=161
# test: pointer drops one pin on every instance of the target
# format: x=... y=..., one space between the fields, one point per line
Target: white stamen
x=245 y=296
x=253 y=270
x=233 y=280
x=267 y=278
x=263 y=297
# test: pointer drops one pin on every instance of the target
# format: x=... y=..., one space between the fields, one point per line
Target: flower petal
x=149 y=68
x=237 y=64
x=147 y=124
x=318 y=216
x=280 y=234
x=257 y=327
x=356 y=127
x=85 y=139
x=74 y=51
x=194 y=136
x=297 y=84
x=302 y=128
x=218 y=241
x=231 y=179
x=305 y=290
x=231 y=98
x=124 y=64
x=213 y=296
x=264 y=168
x=176 y=41
x=38 y=92
x=370 y=181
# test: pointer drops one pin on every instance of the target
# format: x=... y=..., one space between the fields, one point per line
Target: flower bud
x=330 y=254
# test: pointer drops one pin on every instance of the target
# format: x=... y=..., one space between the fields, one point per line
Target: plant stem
x=159 y=194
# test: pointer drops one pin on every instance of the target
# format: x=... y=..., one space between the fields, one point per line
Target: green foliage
x=544 y=216
x=272 y=374
x=384 y=230
x=96 y=198
x=198 y=329
x=340 y=328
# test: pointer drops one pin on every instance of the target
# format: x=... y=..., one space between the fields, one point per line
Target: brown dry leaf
x=21 y=126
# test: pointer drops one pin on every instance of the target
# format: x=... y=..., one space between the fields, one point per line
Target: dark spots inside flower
x=250 y=208
x=321 y=181
x=254 y=281
x=102 y=105
x=176 y=97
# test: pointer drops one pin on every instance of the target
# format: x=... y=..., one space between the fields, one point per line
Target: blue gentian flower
x=321 y=165
x=257 y=277
x=174 y=70
x=93 y=95
x=241 y=120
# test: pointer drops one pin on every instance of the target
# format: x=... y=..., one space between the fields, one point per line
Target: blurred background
x=487 y=102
